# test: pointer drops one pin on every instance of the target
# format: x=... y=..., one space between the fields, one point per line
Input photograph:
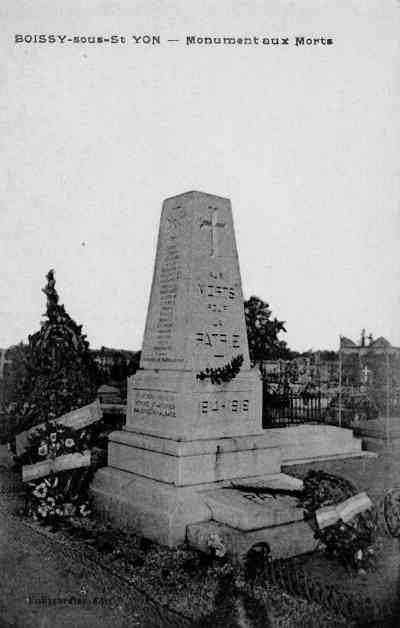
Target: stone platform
x=302 y=443
x=166 y=513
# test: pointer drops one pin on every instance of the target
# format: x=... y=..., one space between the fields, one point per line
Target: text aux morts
x=300 y=40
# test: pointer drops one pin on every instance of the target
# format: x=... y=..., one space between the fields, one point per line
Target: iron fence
x=289 y=408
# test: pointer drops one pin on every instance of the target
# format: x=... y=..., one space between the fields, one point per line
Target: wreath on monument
x=350 y=541
x=62 y=493
x=224 y=373
x=51 y=440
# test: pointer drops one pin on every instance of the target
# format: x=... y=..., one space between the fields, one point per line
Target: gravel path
x=46 y=583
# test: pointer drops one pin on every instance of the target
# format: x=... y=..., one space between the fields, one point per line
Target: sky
x=304 y=140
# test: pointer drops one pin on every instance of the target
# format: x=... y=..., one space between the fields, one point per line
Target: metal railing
x=281 y=409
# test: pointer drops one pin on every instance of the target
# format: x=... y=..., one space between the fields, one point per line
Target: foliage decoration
x=59 y=497
x=392 y=511
x=54 y=440
x=216 y=545
x=63 y=495
x=60 y=373
x=224 y=373
x=351 y=542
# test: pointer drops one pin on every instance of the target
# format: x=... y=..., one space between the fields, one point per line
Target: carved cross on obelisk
x=213 y=225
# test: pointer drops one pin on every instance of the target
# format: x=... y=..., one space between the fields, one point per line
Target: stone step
x=249 y=511
x=284 y=541
x=275 y=481
x=325 y=458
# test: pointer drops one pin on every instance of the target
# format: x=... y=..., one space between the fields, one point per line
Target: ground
x=382 y=585
x=50 y=584
x=90 y=576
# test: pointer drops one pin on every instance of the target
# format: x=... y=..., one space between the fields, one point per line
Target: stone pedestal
x=191 y=463
x=177 y=405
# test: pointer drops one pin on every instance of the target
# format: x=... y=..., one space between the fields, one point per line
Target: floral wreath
x=62 y=495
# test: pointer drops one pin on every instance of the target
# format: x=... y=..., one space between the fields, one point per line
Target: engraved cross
x=213 y=226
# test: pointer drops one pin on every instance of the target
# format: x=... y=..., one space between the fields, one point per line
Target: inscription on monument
x=258 y=498
x=168 y=284
x=155 y=403
x=218 y=300
x=214 y=291
x=230 y=405
x=219 y=343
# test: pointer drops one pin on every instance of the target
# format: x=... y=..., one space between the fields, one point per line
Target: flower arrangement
x=216 y=545
x=224 y=373
x=60 y=496
x=351 y=541
x=54 y=440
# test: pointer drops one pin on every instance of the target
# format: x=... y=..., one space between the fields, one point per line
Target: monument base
x=159 y=486
x=165 y=513
x=156 y=486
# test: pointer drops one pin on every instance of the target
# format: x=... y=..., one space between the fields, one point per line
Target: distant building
x=315 y=369
x=374 y=368
x=362 y=361
x=312 y=369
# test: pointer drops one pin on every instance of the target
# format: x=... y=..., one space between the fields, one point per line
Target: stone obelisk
x=195 y=321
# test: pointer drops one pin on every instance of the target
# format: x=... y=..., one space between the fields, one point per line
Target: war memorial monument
x=191 y=433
